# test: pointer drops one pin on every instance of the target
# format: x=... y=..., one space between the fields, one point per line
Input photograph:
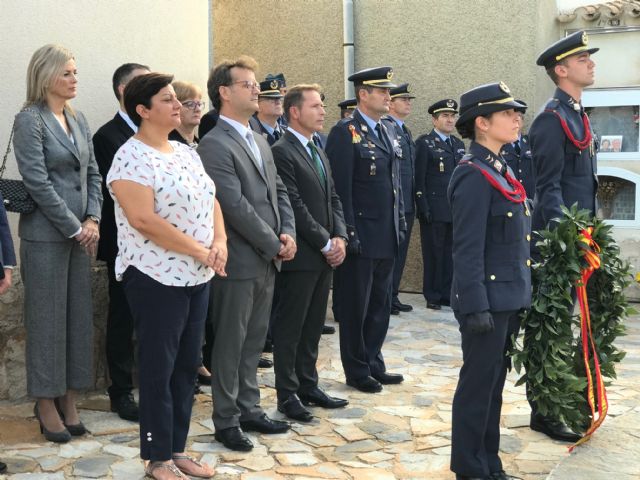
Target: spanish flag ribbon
x=592 y=257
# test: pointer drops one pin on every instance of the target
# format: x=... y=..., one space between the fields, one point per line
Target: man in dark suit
x=519 y=158
x=265 y=120
x=564 y=159
x=261 y=235
x=366 y=173
x=437 y=154
x=399 y=110
x=321 y=234
x=119 y=338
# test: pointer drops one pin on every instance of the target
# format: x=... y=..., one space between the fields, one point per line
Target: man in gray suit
x=261 y=234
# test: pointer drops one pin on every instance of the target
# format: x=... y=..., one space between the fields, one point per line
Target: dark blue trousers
x=475 y=430
x=437 y=257
x=401 y=258
x=364 y=303
x=169 y=324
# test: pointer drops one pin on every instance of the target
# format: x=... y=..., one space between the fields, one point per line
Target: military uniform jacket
x=256 y=125
x=435 y=162
x=564 y=173
x=366 y=173
x=407 y=162
x=522 y=165
x=491 y=266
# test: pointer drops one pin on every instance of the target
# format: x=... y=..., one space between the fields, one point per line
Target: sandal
x=153 y=466
x=202 y=466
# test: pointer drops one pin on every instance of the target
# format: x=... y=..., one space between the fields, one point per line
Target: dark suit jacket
x=316 y=206
x=254 y=201
x=366 y=172
x=106 y=142
x=7 y=253
x=207 y=122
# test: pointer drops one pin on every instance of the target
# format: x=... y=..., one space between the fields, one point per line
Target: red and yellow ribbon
x=592 y=257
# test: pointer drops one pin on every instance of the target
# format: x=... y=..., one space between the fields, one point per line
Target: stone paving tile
x=404 y=432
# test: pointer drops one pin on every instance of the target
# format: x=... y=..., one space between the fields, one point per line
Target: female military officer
x=491 y=275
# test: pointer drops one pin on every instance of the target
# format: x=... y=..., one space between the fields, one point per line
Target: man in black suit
x=399 y=110
x=305 y=281
x=106 y=142
x=366 y=173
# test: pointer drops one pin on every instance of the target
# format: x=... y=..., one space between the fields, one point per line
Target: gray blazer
x=62 y=178
x=254 y=201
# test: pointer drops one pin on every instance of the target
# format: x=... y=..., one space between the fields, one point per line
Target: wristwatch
x=94 y=218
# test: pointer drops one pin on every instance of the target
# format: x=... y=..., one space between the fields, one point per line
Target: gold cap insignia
x=408 y=89
x=390 y=74
x=504 y=88
x=274 y=84
x=585 y=39
x=450 y=103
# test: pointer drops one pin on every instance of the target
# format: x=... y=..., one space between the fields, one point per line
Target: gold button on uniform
x=509 y=214
x=528 y=262
x=528 y=238
x=492 y=277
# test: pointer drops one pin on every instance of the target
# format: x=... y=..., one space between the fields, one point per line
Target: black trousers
x=169 y=323
x=297 y=329
x=119 y=338
x=364 y=303
x=401 y=258
x=436 y=239
x=475 y=430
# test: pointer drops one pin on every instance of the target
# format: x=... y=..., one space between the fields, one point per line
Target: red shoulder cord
x=580 y=144
x=517 y=195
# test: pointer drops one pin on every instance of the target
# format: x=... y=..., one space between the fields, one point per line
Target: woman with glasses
x=190 y=97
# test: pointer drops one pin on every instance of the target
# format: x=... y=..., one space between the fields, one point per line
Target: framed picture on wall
x=610 y=143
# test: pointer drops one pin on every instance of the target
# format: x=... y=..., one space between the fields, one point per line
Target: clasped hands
x=336 y=254
x=288 y=248
x=217 y=257
x=89 y=236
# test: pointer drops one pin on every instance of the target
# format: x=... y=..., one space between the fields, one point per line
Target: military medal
x=355 y=138
x=372 y=169
x=441 y=166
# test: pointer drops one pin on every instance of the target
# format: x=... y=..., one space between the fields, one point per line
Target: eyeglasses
x=192 y=104
x=249 y=85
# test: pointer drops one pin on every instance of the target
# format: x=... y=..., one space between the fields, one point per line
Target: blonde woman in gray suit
x=54 y=152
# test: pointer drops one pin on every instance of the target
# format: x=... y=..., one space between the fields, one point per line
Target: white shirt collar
x=303 y=140
x=128 y=120
x=441 y=135
x=397 y=120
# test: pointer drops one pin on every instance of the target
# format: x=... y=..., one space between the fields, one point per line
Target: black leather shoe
x=234 y=439
x=553 y=428
x=3 y=467
x=76 y=430
x=462 y=477
x=318 y=397
x=264 y=424
x=394 y=311
x=365 y=384
x=388 y=378
x=502 y=475
x=402 y=307
x=204 y=379
x=265 y=363
x=328 y=330
x=126 y=407
x=58 y=437
x=293 y=409
x=434 y=306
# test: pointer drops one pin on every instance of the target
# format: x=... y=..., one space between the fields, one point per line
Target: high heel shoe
x=58 y=437
x=76 y=430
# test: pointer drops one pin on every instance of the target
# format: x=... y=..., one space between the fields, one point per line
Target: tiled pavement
x=400 y=433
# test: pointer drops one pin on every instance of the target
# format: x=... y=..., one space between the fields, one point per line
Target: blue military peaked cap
x=401 y=91
x=524 y=107
x=573 y=44
x=349 y=104
x=486 y=99
x=374 y=77
x=270 y=88
x=279 y=77
x=446 y=105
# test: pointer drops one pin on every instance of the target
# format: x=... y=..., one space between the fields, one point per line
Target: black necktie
x=382 y=137
x=516 y=147
x=448 y=142
x=276 y=134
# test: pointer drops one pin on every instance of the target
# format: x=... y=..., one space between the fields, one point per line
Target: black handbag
x=15 y=195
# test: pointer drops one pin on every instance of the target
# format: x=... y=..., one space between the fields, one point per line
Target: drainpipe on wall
x=347 y=46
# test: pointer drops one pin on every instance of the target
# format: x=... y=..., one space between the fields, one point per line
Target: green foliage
x=551 y=348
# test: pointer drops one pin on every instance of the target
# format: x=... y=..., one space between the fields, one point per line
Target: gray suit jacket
x=62 y=178
x=254 y=201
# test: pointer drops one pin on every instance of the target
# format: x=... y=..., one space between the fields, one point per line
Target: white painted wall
x=168 y=35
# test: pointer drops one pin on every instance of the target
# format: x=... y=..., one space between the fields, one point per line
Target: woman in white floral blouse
x=171 y=240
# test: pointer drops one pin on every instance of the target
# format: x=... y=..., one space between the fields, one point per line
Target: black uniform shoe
x=394 y=311
x=3 y=467
x=234 y=439
x=402 y=307
x=264 y=424
x=264 y=363
x=328 y=330
x=434 y=306
x=126 y=407
x=502 y=475
x=462 y=477
x=388 y=378
x=293 y=409
x=553 y=428
x=365 y=384
x=318 y=397
x=204 y=379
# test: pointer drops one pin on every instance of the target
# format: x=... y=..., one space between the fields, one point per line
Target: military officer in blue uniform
x=282 y=87
x=491 y=276
x=399 y=110
x=347 y=107
x=266 y=120
x=564 y=157
x=366 y=171
x=519 y=158
x=437 y=154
